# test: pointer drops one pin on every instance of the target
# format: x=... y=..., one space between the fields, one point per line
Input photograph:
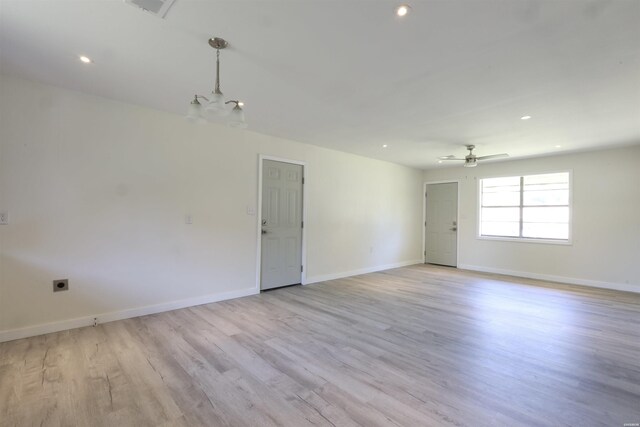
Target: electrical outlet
x=60 y=285
x=4 y=218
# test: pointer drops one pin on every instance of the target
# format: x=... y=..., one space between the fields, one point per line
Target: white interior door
x=281 y=243
x=441 y=224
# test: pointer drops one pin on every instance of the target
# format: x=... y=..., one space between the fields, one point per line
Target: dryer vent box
x=155 y=7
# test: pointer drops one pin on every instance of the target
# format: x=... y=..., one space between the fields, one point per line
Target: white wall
x=97 y=192
x=605 y=250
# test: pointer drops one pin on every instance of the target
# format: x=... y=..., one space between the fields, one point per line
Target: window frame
x=565 y=242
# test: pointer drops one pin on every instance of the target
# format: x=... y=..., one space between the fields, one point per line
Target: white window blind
x=526 y=207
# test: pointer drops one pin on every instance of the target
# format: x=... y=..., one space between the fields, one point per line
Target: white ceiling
x=351 y=75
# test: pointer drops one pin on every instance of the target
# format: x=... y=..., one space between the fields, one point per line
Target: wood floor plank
x=414 y=346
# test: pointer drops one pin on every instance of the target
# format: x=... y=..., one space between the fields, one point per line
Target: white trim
x=525 y=240
x=333 y=276
x=303 y=274
x=424 y=218
x=47 y=328
x=626 y=287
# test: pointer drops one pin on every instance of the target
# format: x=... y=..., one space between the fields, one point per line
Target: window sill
x=527 y=240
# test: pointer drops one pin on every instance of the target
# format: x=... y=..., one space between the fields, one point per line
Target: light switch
x=188 y=219
x=250 y=210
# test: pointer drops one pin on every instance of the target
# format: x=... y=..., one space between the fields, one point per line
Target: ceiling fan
x=471 y=160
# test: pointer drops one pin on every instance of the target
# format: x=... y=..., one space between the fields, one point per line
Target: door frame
x=303 y=274
x=424 y=218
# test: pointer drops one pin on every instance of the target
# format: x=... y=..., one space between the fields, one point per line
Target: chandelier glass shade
x=216 y=103
x=236 y=117
x=194 y=113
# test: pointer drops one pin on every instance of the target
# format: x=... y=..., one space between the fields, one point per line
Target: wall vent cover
x=155 y=7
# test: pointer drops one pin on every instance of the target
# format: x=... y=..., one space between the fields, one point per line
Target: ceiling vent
x=155 y=7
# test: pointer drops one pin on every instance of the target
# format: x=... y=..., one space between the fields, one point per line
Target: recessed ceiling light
x=402 y=10
x=439 y=161
x=525 y=117
x=85 y=59
x=558 y=146
x=385 y=146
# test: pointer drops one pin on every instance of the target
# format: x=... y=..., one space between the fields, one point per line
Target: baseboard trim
x=47 y=328
x=333 y=276
x=31 y=331
x=551 y=278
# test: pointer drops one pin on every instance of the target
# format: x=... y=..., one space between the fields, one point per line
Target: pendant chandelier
x=216 y=104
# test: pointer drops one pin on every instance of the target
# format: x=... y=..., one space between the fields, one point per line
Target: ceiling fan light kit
x=471 y=160
x=216 y=102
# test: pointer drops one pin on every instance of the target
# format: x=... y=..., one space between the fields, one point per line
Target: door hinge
x=302 y=224
x=301 y=268
x=303 y=180
x=425 y=253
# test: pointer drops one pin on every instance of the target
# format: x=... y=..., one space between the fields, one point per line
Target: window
x=525 y=207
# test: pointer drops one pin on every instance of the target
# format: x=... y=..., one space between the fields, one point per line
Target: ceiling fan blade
x=449 y=158
x=492 y=156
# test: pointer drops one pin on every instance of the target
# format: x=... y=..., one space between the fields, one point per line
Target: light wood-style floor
x=415 y=346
